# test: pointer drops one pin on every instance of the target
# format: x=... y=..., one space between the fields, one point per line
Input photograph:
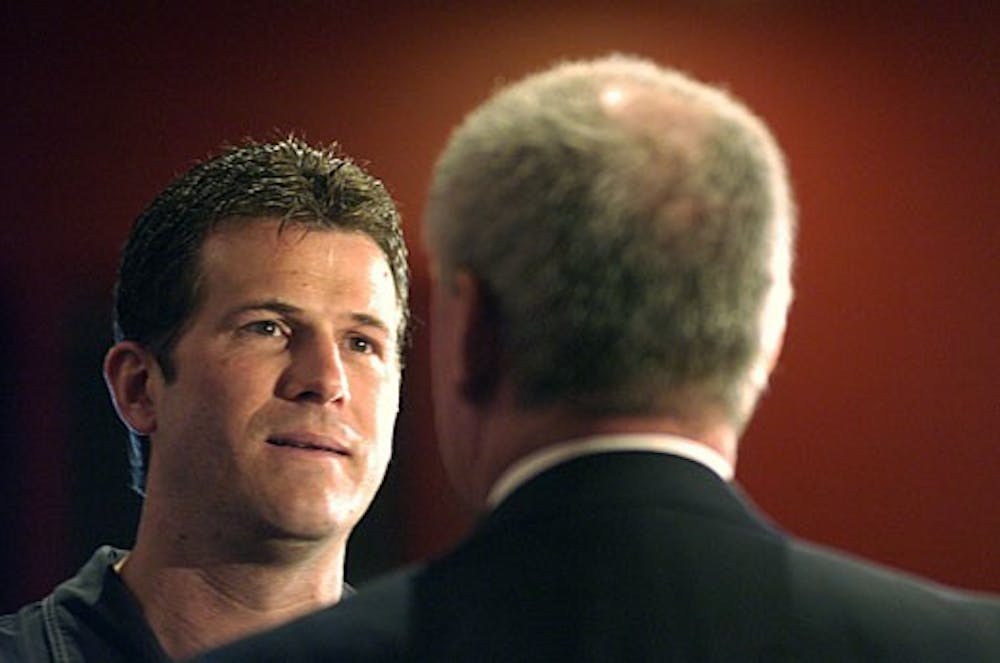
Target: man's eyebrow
x=371 y=321
x=274 y=305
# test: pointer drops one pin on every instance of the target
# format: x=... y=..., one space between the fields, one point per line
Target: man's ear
x=129 y=372
x=478 y=313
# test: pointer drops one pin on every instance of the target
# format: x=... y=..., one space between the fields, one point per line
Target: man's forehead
x=254 y=251
x=281 y=234
x=274 y=228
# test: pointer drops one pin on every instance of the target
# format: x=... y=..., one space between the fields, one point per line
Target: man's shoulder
x=34 y=630
x=822 y=571
x=382 y=604
x=372 y=624
x=23 y=635
x=20 y=628
x=840 y=600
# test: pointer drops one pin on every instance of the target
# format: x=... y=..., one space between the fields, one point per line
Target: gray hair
x=630 y=224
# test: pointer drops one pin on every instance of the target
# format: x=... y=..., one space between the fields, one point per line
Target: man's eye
x=266 y=328
x=361 y=344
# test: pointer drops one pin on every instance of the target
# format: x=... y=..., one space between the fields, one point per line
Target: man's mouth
x=309 y=445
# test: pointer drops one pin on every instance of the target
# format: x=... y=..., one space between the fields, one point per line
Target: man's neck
x=194 y=602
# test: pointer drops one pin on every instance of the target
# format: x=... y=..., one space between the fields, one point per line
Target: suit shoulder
x=385 y=600
x=371 y=625
x=871 y=610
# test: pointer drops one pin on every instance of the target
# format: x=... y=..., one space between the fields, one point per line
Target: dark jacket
x=90 y=617
x=636 y=556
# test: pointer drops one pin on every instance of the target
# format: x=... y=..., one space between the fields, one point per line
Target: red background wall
x=879 y=435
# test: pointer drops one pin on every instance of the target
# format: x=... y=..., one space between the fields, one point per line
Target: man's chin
x=315 y=522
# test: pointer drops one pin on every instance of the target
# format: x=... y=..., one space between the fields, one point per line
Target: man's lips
x=309 y=442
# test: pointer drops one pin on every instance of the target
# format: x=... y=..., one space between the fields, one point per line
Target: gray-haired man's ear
x=481 y=351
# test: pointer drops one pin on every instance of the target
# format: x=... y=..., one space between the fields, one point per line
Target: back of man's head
x=634 y=229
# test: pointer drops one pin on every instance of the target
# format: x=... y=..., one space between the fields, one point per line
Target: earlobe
x=129 y=372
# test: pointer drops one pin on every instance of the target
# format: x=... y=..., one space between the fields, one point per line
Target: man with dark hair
x=260 y=313
x=611 y=246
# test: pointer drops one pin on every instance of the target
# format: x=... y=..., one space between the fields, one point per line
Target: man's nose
x=316 y=373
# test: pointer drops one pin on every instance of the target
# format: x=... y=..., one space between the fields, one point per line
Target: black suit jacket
x=636 y=556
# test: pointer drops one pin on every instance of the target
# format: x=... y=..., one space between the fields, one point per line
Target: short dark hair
x=157 y=290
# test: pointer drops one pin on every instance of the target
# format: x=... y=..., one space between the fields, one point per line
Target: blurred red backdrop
x=879 y=435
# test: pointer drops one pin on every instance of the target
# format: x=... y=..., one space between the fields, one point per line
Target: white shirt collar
x=535 y=463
